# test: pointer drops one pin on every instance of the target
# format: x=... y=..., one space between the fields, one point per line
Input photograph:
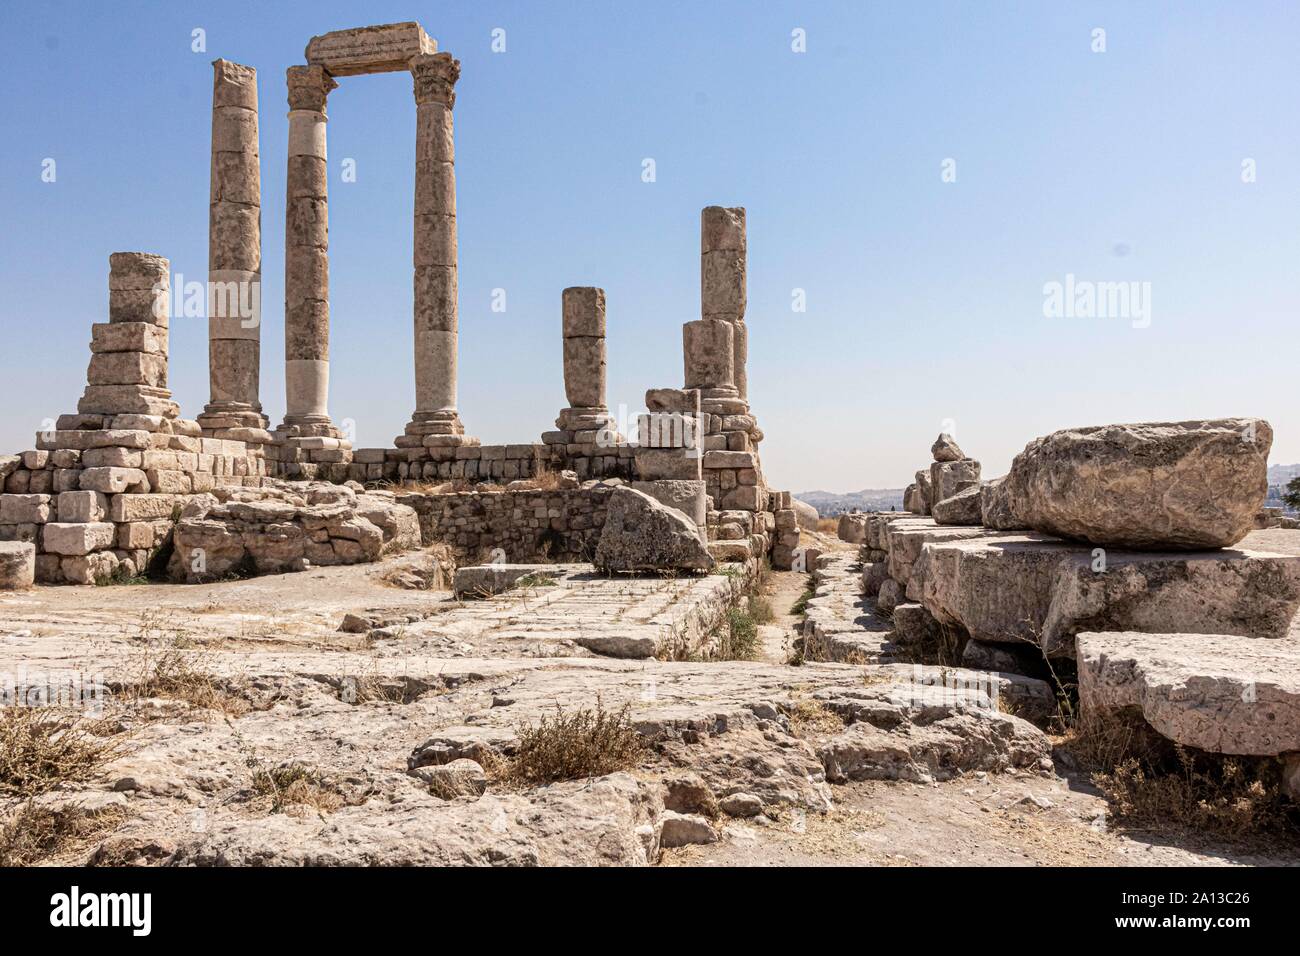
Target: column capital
x=308 y=87
x=435 y=76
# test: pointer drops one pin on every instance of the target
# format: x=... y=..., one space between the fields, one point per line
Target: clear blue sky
x=924 y=298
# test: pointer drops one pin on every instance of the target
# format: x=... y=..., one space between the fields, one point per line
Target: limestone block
x=234 y=370
x=88 y=568
x=435 y=298
x=375 y=49
x=1185 y=485
x=113 y=481
x=435 y=233
x=127 y=368
x=665 y=463
x=234 y=130
x=722 y=228
x=233 y=84
x=142 y=535
x=640 y=534
x=150 y=306
x=963 y=508
x=1029 y=588
x=744 y=497
x=112 y=457
x=73 y=538
x=168 y=482
x=134 y=399
x=65 y=479
x=17 y=565
x=687 y=497
x=946 y=449
x=137 y=270
x=82 y=506
x=141 y=507
x=583 y=312
x=584 y=371
x=708 y=351
x=683 y=400
x=236 y=177
x=235 y=236
x=35 y=460
x=128 y=337
x=25 y=509
x=730 y=459
x=668 y=430
x=722 y=285
x=949 y=477
x=1214 y=692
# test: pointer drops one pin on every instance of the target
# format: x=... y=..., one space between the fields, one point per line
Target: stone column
x=234 y=259
x=708 y=348
x=722 y=279
x=306 y=259
x=584 y=348
x=435 y=421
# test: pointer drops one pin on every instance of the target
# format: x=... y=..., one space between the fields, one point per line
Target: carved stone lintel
x=435 y=76
x=308 y=87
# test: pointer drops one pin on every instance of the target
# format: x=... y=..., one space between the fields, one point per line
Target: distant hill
x=829 y=503
x=1281 y=474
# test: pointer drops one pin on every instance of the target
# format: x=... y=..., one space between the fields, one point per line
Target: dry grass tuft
x=808 y=717
x=829 y=526
x=295 y=784
x=40 y=750
x=574 y=745
x=1203 y=794
x=177 y=674
x=32 y=833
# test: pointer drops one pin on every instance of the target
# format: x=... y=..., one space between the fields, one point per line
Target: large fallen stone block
x=1215 y=692
x=963 y=508
x=688 y=497
x=1150 y=486
x=640 y=534
x=17 y=565
x=1033 y=589
x=852 y=528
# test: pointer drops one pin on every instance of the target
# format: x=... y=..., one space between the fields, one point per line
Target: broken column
x=722 y=279
x=234 y=260
x=435 y=422
x=587 y=431
x=306 y=259
x=128 y=367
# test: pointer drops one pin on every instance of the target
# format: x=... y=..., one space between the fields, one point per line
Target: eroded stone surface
x=1222 y=693
x=1149 y=486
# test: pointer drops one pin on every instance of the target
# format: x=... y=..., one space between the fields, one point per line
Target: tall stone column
x=435 y=422
x=722 y=279
x=234 y=260
x=306 y=259
x=583 y=311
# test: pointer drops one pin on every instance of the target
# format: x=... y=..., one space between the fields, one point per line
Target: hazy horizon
x=1167 y=161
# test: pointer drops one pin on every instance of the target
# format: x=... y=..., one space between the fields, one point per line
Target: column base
x=236 y=421
x=438 y=429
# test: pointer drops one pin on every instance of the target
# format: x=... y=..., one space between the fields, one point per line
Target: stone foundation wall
x=93 y=521
x=527 y=526
x=489 y=463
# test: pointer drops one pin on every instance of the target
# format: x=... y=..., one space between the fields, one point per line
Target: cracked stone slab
x=1221 y=693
